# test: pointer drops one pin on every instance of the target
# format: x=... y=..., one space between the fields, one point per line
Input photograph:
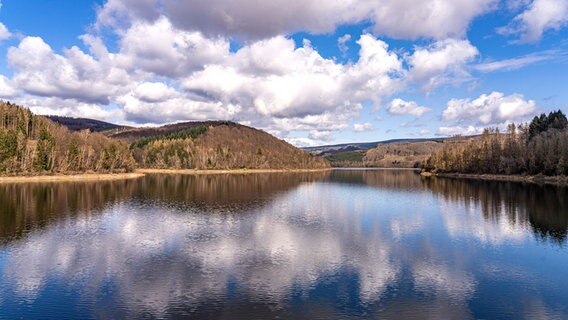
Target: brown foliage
x=32 y=144
x=225 y=146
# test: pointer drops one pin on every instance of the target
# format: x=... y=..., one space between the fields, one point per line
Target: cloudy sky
x=309 y=71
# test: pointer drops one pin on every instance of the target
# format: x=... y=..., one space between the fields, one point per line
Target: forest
x=540 y=147
x=32 y=145
x=221 y=146
x=38 y=145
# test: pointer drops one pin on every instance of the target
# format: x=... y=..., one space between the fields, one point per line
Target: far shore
x=539 y=179
x=72 y=178
x=228 y=171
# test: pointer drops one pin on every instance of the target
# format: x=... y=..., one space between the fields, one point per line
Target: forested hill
x=79 y=124
x=540 y=147
x=215 y=145
x=33 y=145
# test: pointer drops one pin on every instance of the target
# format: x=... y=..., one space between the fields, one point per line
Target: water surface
x=343 y=244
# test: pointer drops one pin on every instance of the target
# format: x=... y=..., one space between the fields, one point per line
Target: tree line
x=540 y=147
x=31 y=144
x=35 y=145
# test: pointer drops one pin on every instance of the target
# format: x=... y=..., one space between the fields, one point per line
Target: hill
x=79 y=124
x=214 y=145
x=401 y=155
x=395 y=153
x=327 y=150
x=199 y=145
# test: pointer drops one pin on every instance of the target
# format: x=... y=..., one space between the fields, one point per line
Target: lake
x=345 y=244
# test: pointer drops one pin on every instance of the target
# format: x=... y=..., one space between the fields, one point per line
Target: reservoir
x=343 y=244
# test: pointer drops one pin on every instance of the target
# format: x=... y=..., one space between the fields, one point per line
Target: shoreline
x=227 y=171
x=84 y=177
x=550 y=180
x=139 y=173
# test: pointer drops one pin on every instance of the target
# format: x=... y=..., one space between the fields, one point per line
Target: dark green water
x=337 y=245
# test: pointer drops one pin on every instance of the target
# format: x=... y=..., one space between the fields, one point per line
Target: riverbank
x=539 y=179
x=141 y=173
x=72 y=178
x=229 y=171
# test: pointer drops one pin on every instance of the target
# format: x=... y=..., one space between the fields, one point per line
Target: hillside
x=327 y=150
x=79 y=124
x=401 y=155
x=396 y=153
x=35 y=145
x=202 y=145
x=538 y=148
x=215 y=145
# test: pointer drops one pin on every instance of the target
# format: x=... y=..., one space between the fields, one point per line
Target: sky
x=312 y=72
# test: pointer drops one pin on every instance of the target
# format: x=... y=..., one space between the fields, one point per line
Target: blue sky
x=311 y=72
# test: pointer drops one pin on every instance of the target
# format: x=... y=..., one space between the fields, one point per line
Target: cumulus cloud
x=321 y=135
x=69 y=108
x=279 y=80
x=438 y=19
x=253 y=19
x=539 y=16
x=441 y=63
x=6 y=89
x=163 y=50
x=459 y=131
x=120 y=13
x=363 y=127
x=75 y=74
x=401 y=107
x=489 y=109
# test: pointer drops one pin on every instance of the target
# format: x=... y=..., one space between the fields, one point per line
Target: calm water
x=342 y=244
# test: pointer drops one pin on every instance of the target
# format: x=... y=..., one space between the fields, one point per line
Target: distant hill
x=214 y=145
x=401 y=155
x=324 y=151
x=79 y=124
x=398 y=153
x=203 y=145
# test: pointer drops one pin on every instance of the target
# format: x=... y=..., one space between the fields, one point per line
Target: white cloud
x=342 y=43
x=4 y=32
x=75 y=74
x=401 y=107
x=252 y=19
x=489 y=109
x=539 y=16
x=461 y=131
x=68 y=108
x=6 y=89
x=363 y=127
x=441 y=63
x=273 y=78
x=438 y=19
x=321 y=135
x=515 y=63
x=119 y=14
x=154 y=92
x=159 y=48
